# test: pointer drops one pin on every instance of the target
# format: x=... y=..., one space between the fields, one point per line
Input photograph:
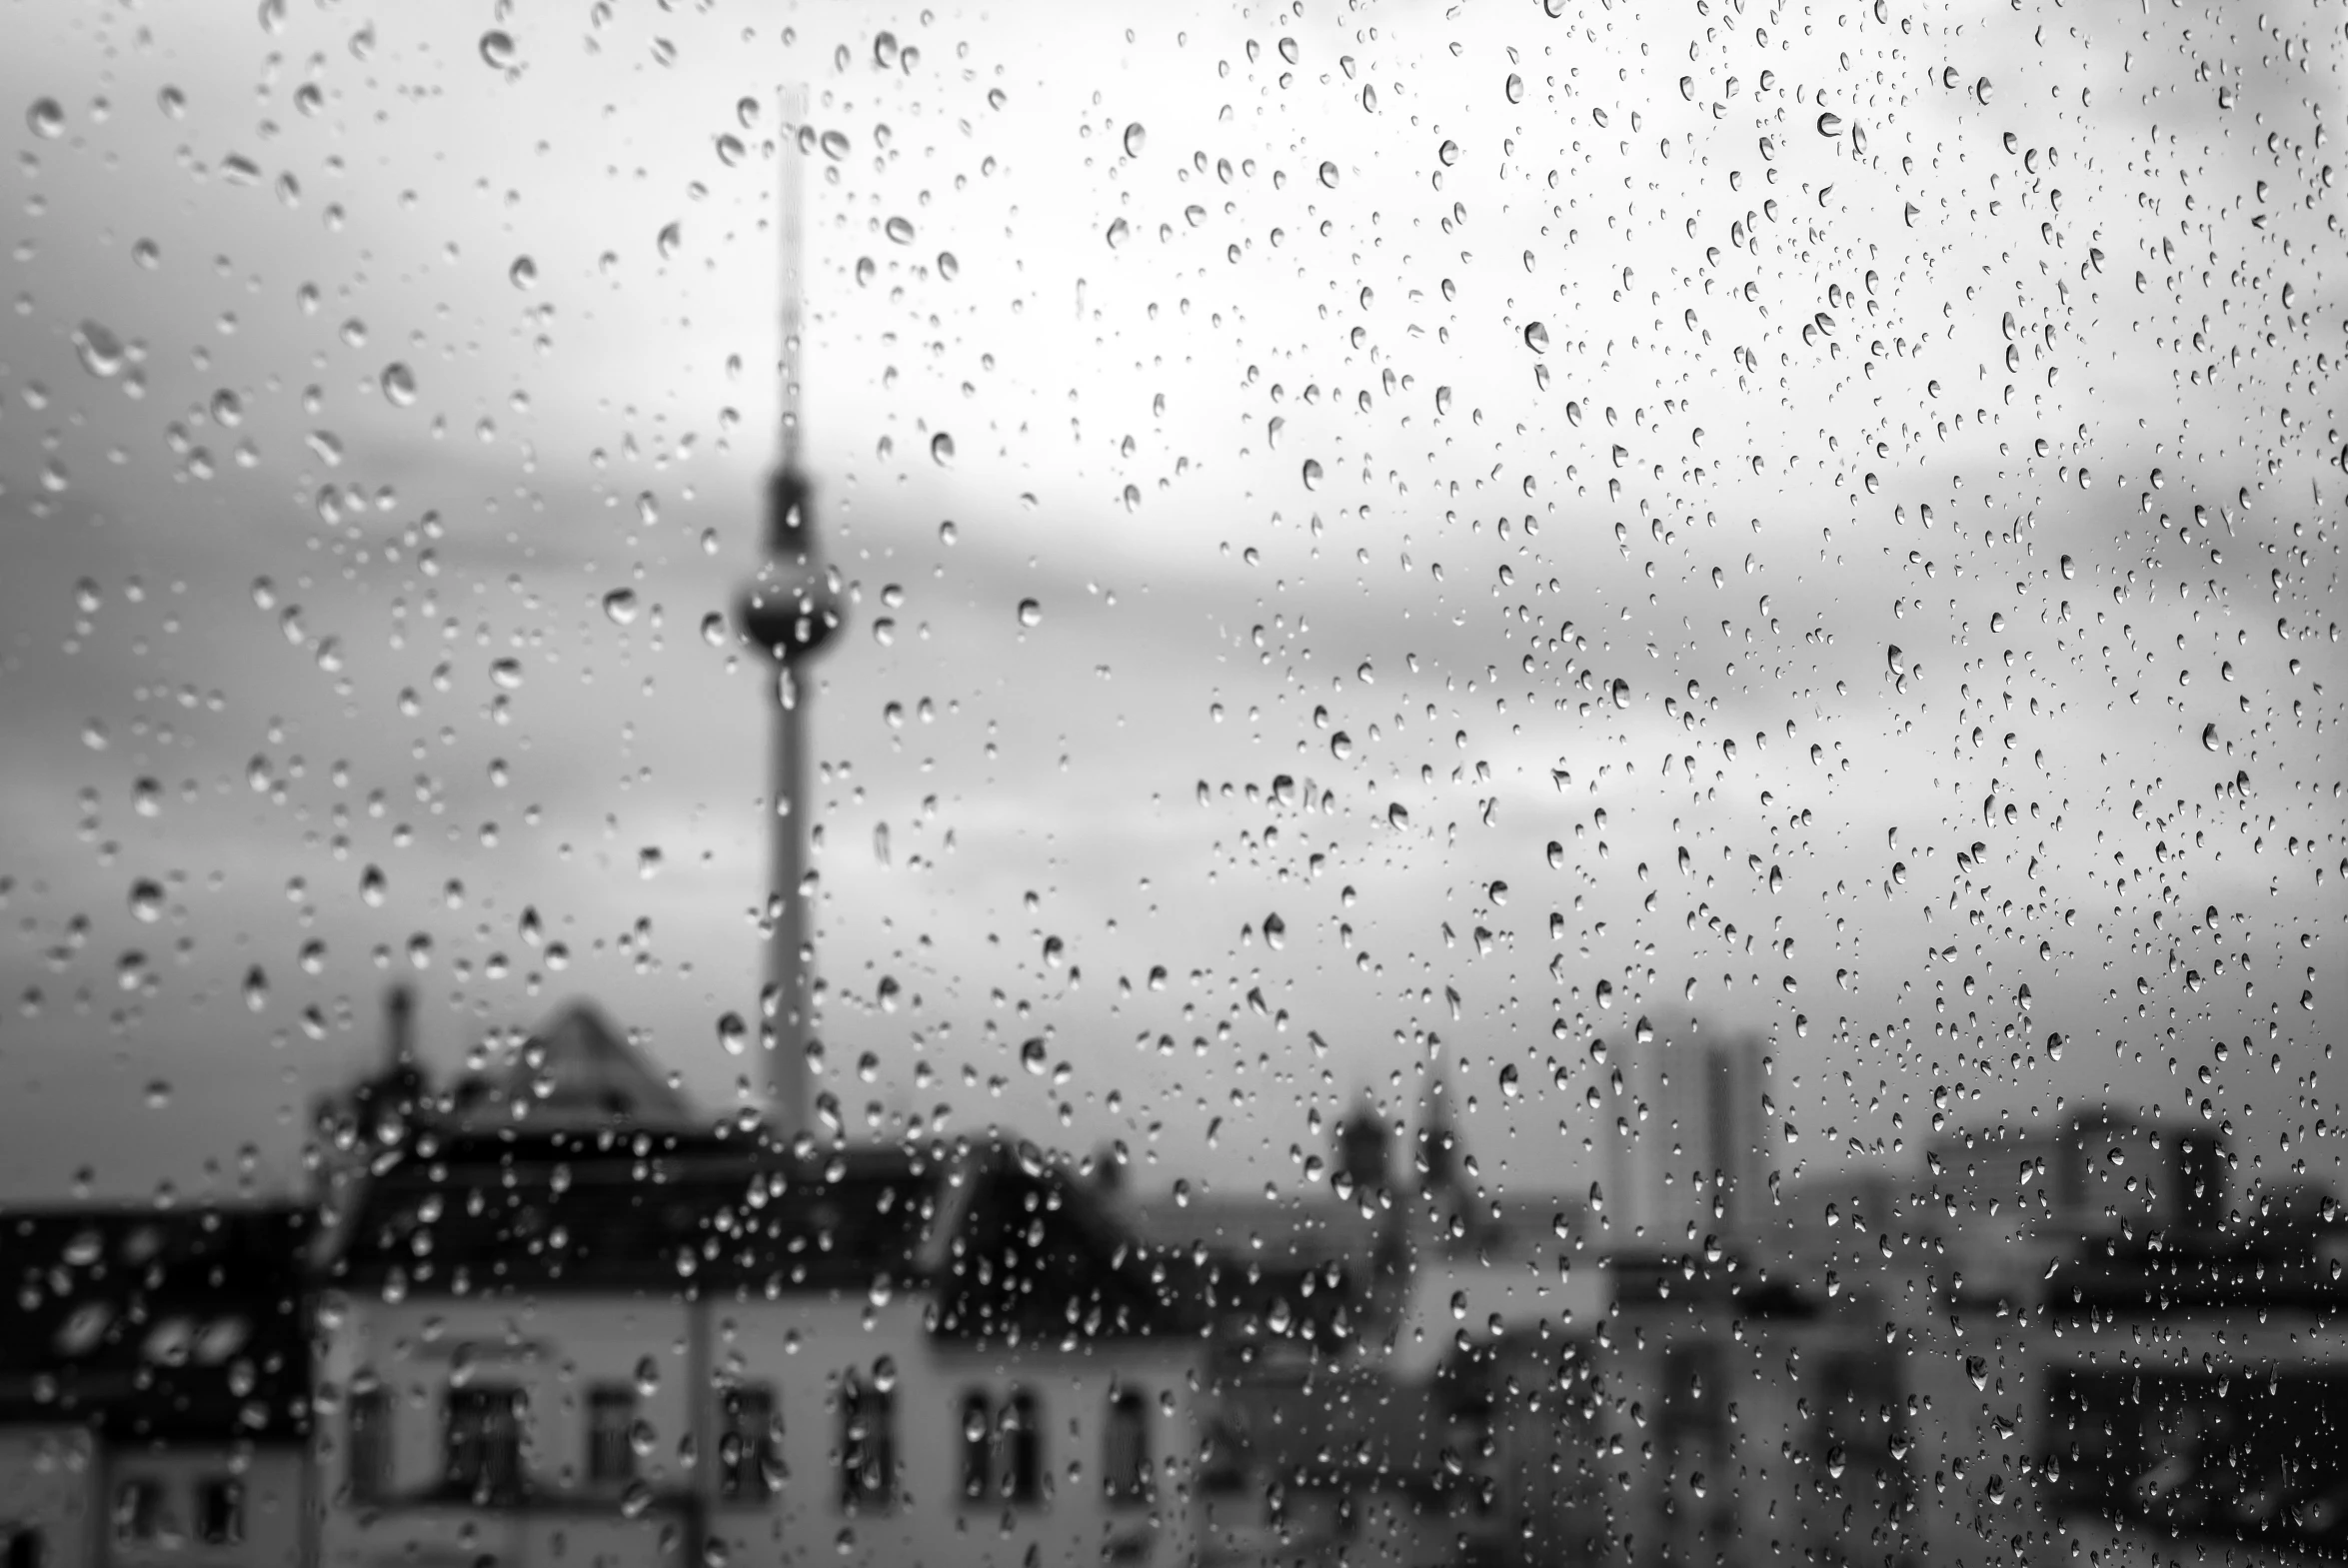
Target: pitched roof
x=1016 y=1249
x=178 y=1327
x=577 y=1072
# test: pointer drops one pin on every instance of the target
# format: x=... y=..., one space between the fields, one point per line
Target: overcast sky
x=1410 y=521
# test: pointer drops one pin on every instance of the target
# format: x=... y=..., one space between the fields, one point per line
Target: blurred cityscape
x=602 y=1332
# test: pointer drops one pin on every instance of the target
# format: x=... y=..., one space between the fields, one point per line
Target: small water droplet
x=497 y=50
x=523 y=273
x=506 y=673
x=901 y=230
x=1031 y=612
x=620 y=606
x=1136 y=139
x=942 y=450
x=733 y=1033
x=1117 y=231
x=47 y=118
x=1536 y=337
x=949 y=268
x=146 y=901
x=1312 y=473
x=1328 y=174
x=1448 y=153
x=1830 y=124
x=398 y=385
x=1515 y=87
x=670 y=240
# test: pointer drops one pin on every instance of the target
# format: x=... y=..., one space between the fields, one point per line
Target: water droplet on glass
x=1329 y=175
x=1312 y=473
x=523 y=273
x=670 y=240
x=256 y=989
x=942 y=450
x=497 y=50
x=1515 y=87
x=1830 y=124
x=46 y=118
x=146 y=901
x=1031 y=612
x=733 y=1033
x=1536 y=337
x=398 y=385
x=620 y=606
x=99 y=350
x=1443 y=400
x=372 y=888
x=901 y=230
x=1448 y=153
x=948 y=267
x=1033 y=1056
x=1135 y=138
x=1117 y=231
x=506 y=673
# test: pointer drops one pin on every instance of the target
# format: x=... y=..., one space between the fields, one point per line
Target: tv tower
x=790 y=610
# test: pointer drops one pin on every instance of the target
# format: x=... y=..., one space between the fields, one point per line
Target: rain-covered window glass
x=977 y=1445
x=1288 y=781
x=28 y=1547
x=1125 y=1451
x=867 y=1445
x=1022 y=1447
x=748 y=1444
x=220 y=1512
x=611 y=1436
x=481 y=1443
x=138 y=1510
x=368 y=1440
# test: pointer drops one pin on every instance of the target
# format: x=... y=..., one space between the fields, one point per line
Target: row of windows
x=143 y=1512
x=1002 y=1445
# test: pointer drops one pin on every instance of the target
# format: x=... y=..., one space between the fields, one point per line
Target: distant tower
x=790 y=610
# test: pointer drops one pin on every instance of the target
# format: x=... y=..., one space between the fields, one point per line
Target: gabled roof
x=576 y=1073
x=1015 y=1248
x=155 y=1326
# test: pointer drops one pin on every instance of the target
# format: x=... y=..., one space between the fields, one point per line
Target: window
x=28 y=1547
x=1022 y=1449
x=978 y=1446
x=1125 y=1448
x=611 y=1436
x=868 y=1444
x=750 y=1444
x=369 y=1436
x=483 y=1444
x=220 y=1512
x=138 y=1509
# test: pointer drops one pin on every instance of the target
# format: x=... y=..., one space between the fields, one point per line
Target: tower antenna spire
x=794 y=357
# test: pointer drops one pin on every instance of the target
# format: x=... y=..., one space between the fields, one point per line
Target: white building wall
x=799 y=1345
x=276 y=1509
x=49 y=1483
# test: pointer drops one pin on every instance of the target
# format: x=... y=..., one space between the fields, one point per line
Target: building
x=154 y=1389
x=633 y=1348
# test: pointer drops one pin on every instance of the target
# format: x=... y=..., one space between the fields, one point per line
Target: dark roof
x=639 y=1213
x=1018 y=1249
x=184 y=1326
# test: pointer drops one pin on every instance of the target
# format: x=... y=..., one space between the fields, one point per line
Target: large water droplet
x=523 y=273
x=398 y=385
x=901 y=230
x=942 y=450
x=733 y=1033
x=1312 y=473
x=506 y=673
x=1515 y=87
x=497 y=50
x=46 y=118
x=1031 y=612
x=1536 y=337
x=145 y=900
x=1117 y=231
x=670 y=240
x=99 y=350
x=1136 y=139
x=1830 y=124
x=620 y=606
x=1328 y=174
